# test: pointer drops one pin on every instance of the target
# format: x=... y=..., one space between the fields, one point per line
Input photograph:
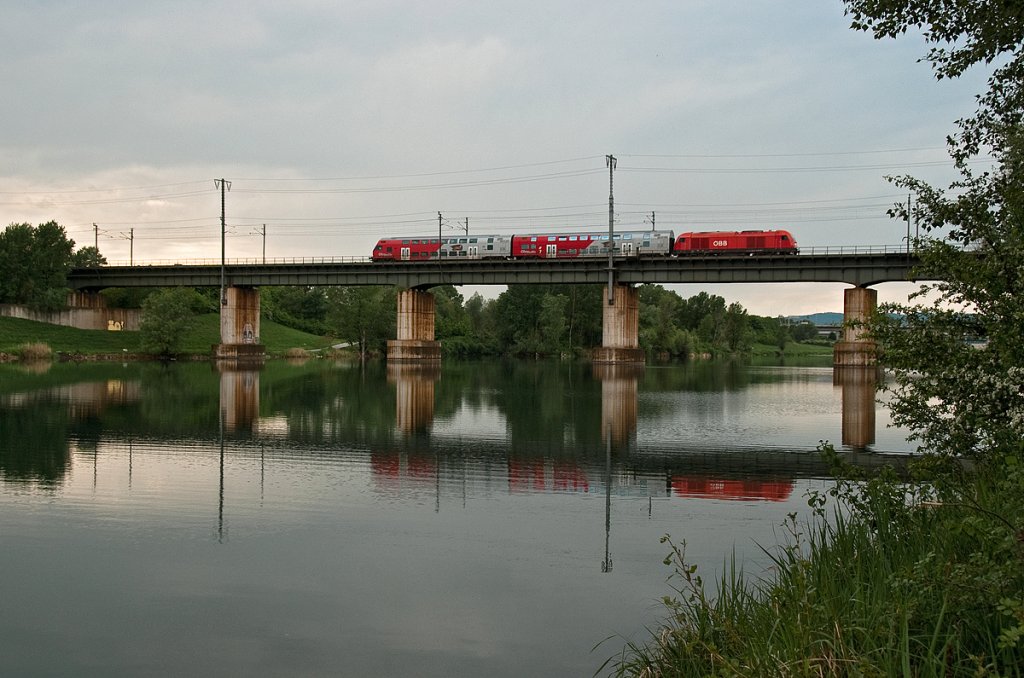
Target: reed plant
x=34 y=351
x=890 y=577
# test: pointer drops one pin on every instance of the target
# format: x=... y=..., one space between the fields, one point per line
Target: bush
x=34 y=351
x=167 y=316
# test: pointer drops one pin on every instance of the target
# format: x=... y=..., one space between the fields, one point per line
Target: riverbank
x=83 y=345
x=896 y=579
x=67 y=343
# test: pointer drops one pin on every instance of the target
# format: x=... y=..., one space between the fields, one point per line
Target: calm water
x=310 y=520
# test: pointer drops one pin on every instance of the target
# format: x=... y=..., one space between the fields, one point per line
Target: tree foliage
x=299 y=307
x=34 y=263
x=167 y=316
x=88 y=257
x=959 y=399
x=362 y=316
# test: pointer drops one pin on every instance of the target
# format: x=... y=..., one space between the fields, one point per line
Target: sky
x=340 y=122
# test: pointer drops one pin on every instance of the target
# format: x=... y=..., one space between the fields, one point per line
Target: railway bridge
x=859 y=267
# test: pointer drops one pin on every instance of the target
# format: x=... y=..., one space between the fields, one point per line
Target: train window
x=785 y=237
x=462 y=240
x=572 y=238
x=627 y=236
x=533 y=239
x=490 y=240
x=562 y=238
x=405 y=242
x=572 y=252
x=444 y=253
x=462 y=253
x=472 y=240
x=490 y=247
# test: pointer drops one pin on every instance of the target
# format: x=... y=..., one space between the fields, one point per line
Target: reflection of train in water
x=701 y=487
x=403 y=473
x=586 y=245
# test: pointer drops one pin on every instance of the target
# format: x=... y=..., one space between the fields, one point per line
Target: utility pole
x=438 y=238
x=96 y=236
x=224 y=186
x=908 y=224
x=263 y=232
x=610 y=162
x=652 y=221
x=467 y=226
x=130 y=237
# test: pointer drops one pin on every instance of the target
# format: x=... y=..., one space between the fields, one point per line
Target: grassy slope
x=793 y=349
x=15 y=332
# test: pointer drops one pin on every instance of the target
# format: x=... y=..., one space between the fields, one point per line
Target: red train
x=573 y=245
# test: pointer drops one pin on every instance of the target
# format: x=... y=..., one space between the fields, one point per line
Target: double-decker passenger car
x=735 y=242
x=570 y=245
x=427 y=249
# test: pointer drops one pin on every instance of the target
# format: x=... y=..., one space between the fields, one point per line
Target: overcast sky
x=339 y=122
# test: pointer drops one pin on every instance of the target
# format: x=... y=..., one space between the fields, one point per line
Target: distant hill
x=818 y=318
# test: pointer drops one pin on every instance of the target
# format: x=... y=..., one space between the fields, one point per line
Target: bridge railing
x=250 y=261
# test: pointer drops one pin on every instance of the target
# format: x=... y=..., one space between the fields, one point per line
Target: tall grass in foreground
x=902 y=579
x=34 y=351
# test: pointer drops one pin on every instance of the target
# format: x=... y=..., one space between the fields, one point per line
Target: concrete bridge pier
x=620 y=335
x=240 y=326
x=415 y=329
x=855 y=349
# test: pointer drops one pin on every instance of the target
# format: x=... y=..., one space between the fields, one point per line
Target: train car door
x=627 y=249
x=405 y=254
x=551 y=251
x=473 y=252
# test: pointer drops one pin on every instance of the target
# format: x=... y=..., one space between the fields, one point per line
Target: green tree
x=362 y=316
x=660 y=332
x=551 y=324
x=956 y=398
x=301 y=307
x=450 y=318
x=34 y=263
x=88 y=257
x=167 y=316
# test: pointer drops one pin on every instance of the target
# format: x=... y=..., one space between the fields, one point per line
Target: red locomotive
x=586 y=245
x=735 y=242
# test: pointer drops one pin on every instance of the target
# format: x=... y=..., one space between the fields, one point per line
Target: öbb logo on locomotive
x=585 y=244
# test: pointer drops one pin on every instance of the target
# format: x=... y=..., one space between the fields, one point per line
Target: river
x=311 y=519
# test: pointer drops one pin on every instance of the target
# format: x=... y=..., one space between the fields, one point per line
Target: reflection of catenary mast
x=606 y=565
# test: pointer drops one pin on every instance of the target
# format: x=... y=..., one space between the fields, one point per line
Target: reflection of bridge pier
x=618 y=400
x=414 y=394
x=859 y=386
x=239 y=396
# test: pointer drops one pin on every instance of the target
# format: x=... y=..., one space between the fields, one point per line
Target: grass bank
x=892 y=578
x=15 y=332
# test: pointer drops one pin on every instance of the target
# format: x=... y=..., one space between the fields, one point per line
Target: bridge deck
x=854 y=268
